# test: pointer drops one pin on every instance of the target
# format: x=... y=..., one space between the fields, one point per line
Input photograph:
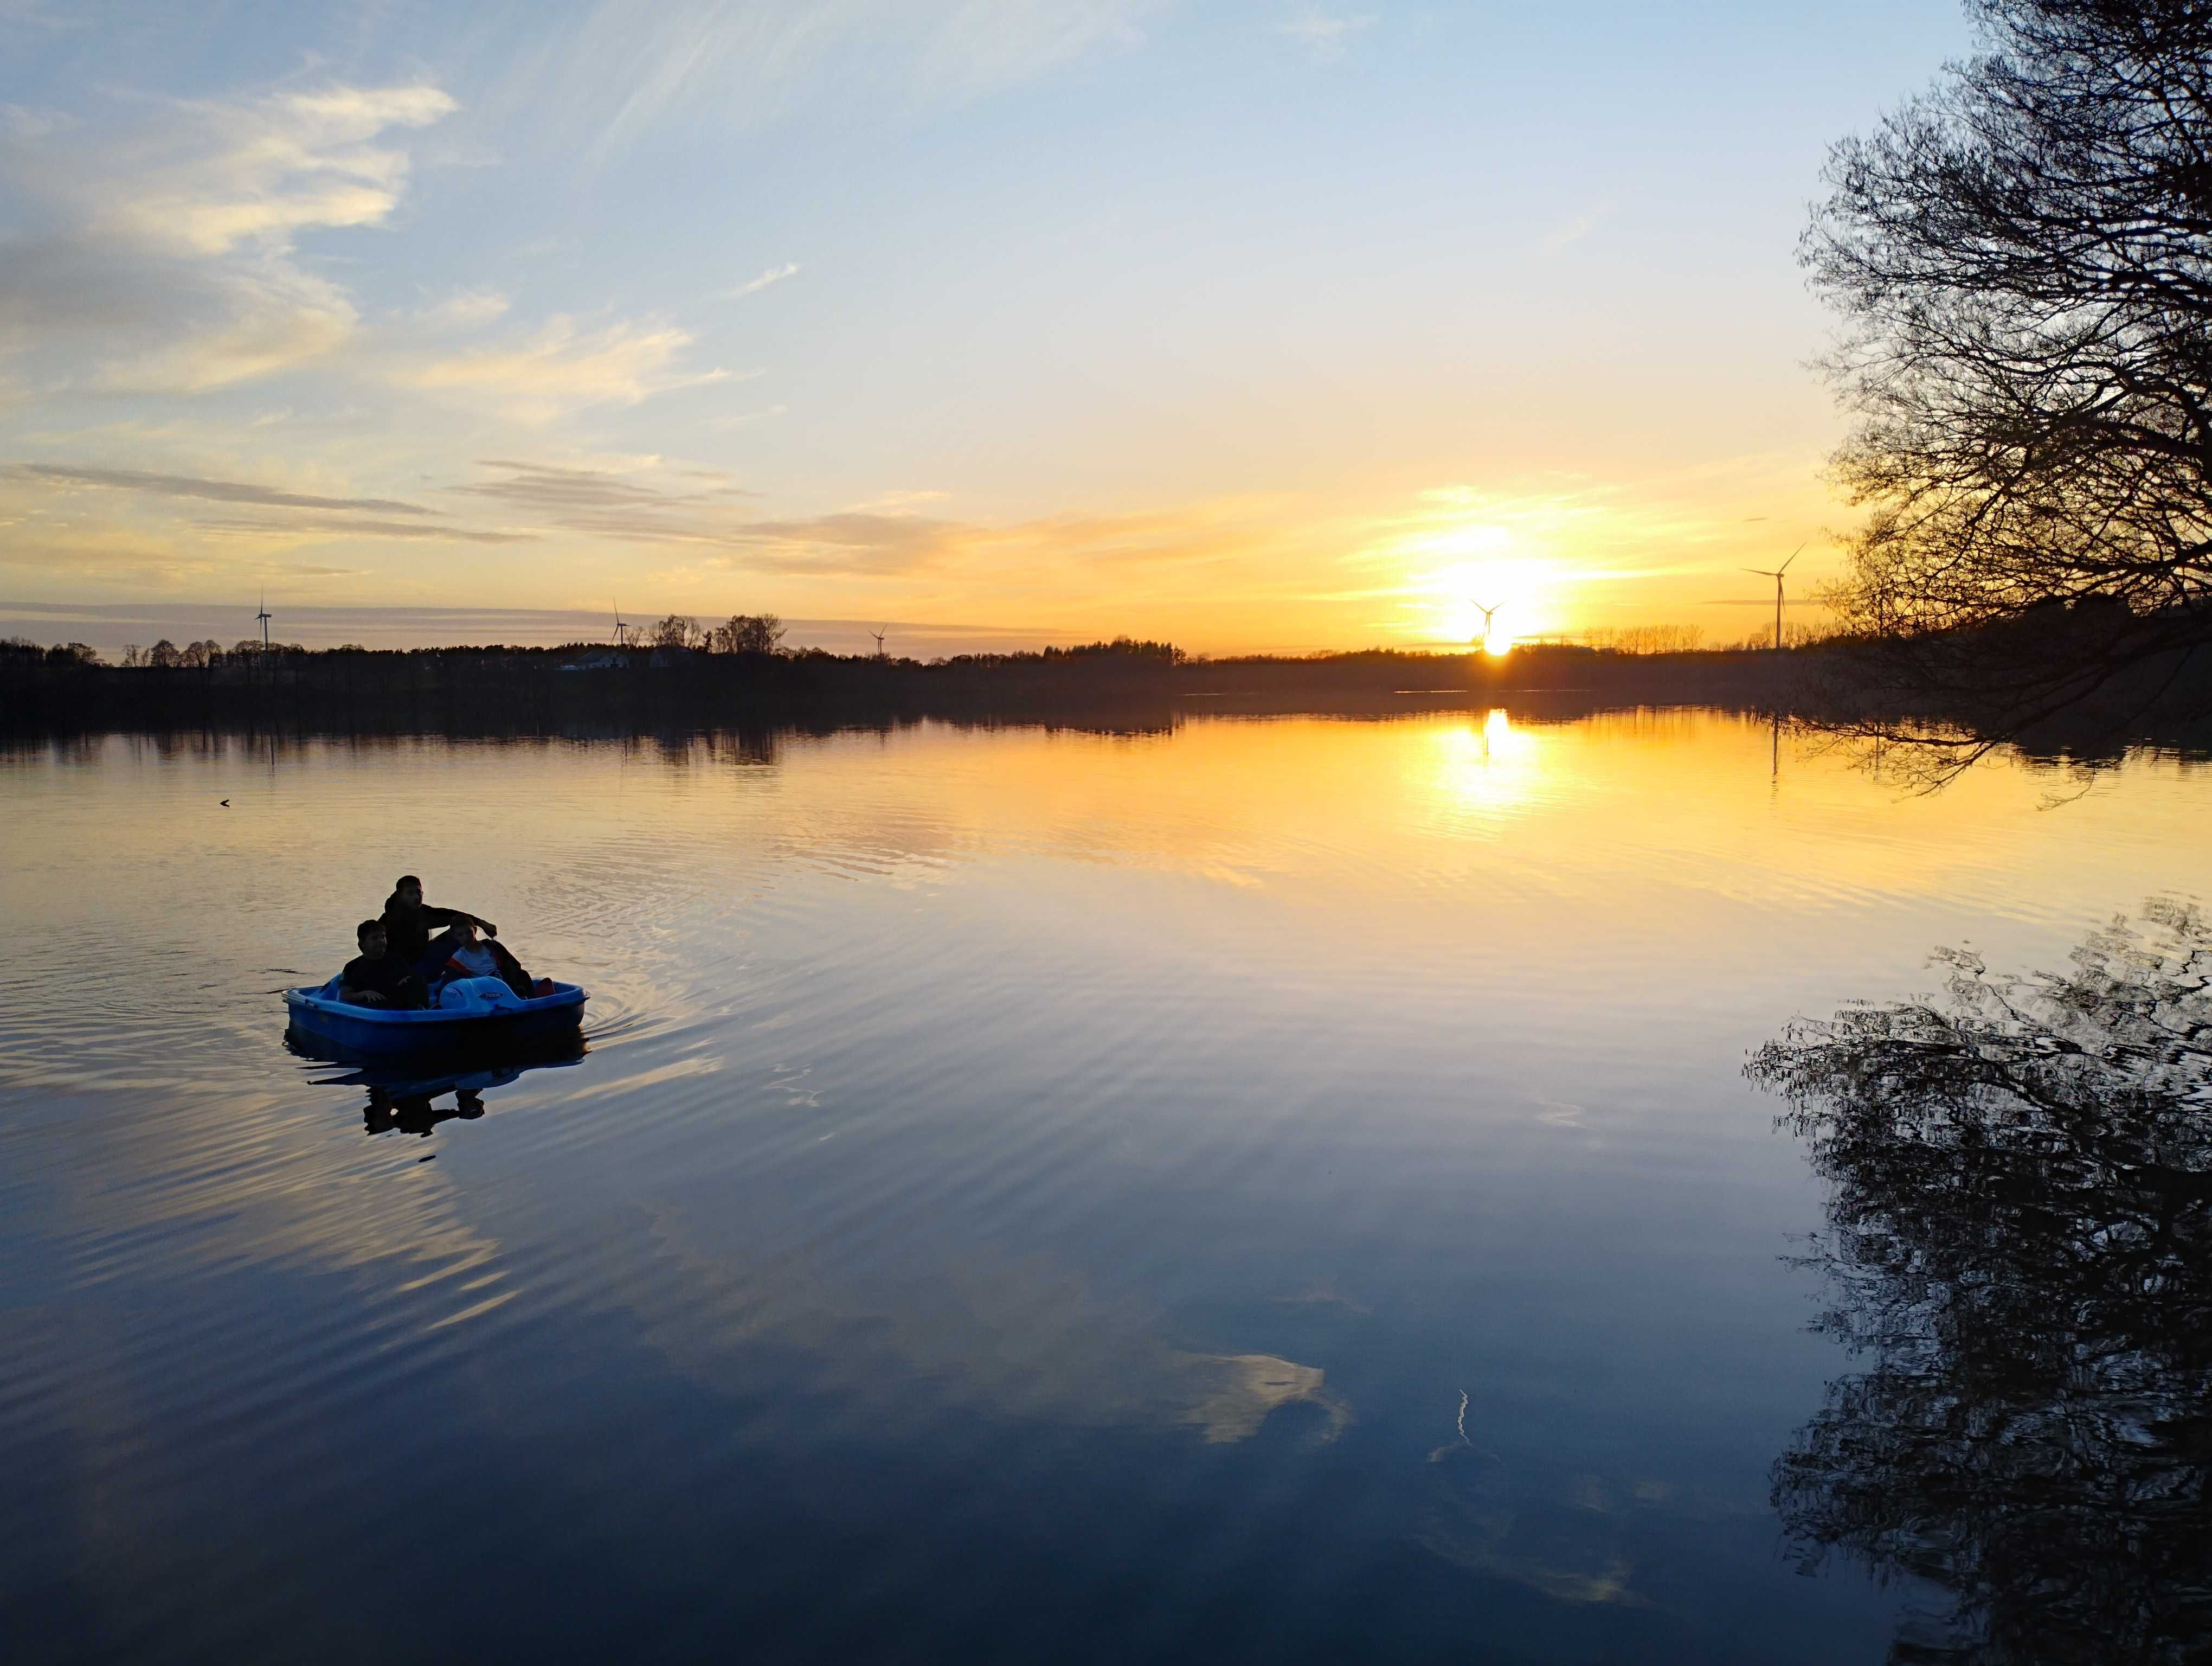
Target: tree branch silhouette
x=2022 y=260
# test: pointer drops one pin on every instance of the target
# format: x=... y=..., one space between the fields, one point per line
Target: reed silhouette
x=2019 y=1248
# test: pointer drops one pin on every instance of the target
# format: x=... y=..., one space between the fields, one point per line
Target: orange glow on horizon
x=1456 y=570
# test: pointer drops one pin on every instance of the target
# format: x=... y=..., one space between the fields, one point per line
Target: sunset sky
x=1247 y=324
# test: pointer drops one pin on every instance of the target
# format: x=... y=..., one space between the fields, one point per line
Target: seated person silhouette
x=457 y=952
x=408 y=920
x=377 y=977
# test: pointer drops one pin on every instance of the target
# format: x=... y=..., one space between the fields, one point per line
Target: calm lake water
x=1277 y=1190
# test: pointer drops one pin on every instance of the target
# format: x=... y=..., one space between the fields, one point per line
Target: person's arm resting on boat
x=437 y=917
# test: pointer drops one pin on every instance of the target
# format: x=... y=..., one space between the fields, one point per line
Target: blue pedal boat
x=317 y=1015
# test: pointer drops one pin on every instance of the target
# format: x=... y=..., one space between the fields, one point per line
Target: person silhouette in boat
x=468 y=956
x=456 y=952
x=409 y=921
x=376 y=976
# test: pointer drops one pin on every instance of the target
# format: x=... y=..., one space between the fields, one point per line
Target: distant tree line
x=1691 y=639
x=21 y=649
x=1645 y=639
x=1128 y=647
x=165 y=655
x=583 y=687
x=763 y=633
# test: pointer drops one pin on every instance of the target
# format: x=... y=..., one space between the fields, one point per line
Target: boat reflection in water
x=403 y=1096
x=2019 y=1250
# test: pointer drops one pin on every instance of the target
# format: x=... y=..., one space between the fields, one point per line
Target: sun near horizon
x=1255 y=328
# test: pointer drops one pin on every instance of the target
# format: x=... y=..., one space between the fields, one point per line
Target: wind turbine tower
x=621 y=630
x=879 y=636
x=262 y=618
x=1775 y=572
x=1488 y=614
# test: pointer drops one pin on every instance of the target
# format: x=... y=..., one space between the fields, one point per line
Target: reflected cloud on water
x=968 y=1326
x=2018 y=1249
x=1572 y=1538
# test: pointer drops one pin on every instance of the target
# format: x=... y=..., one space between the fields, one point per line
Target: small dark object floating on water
x=319 y=1013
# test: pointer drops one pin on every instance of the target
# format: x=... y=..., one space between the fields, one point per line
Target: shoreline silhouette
x=1121 y=686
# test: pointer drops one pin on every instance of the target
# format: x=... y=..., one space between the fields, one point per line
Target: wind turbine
x=878 y=635
x=1488 y=613
x=1775 y=572
x=621 y=630
x=262 y=618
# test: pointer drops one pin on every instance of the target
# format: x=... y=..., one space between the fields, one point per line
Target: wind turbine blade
x=1794 y=554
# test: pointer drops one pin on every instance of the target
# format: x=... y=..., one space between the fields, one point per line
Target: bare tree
x=677 y=630
x=2023 y=259
x=748 y=633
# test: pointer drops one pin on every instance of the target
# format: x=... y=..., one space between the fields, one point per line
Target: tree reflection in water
x=2019 y=1247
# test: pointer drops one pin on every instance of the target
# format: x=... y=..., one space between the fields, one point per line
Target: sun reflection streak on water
x=1490 y=768
x=985 y=1094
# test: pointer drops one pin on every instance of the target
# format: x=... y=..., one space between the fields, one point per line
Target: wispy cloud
x=772 y=274
x=971 y=47
x=625 y=66
x=713 y=519
x=904 y=501
x=325 y=518
x=266 y=323
x=851 y=543
x=562 y=368
x=463 y=310
x=1571 y=232
x=106 y=557
x=554 y=488
x=316 y=530
x=886 y=539
x=222 y=491
x=1325 y=38
x=169 y=239
x=22 y=122
x=214 y=176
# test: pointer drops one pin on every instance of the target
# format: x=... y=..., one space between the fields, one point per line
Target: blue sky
x=1251 y=324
